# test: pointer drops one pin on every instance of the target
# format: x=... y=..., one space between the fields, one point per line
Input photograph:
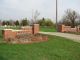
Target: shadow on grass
x=2 y=58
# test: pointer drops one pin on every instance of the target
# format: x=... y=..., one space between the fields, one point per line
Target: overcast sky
x=18 y=9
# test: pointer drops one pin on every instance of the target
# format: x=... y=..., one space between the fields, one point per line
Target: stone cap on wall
x=12 y=30
x=7 y=29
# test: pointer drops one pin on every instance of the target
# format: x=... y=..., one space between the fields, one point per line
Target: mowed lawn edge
x=56 y=48
x=47 y=29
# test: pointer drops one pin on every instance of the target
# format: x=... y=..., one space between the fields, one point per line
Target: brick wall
x=78 y=28
x=35 y=28
x=7 y=33
x=10 y=33
x=64 y=28
x=27 y=29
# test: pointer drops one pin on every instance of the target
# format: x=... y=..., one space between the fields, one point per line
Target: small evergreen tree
x=24 y=22
x=17 y=23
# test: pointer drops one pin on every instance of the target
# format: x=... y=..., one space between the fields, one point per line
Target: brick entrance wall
x=10 y=33
x=63 y=28
x=35 y=28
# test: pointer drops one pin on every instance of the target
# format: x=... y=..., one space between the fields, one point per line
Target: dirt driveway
x=73 y=37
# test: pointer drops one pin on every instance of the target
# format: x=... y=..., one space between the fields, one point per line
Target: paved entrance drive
x=73 y=37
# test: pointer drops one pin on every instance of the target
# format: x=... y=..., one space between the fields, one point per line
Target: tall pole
x=56 y=15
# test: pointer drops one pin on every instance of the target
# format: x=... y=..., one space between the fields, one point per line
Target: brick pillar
x=59 y=28
x=35 y=28
x=63 y=28
x=78 y=29
x=7 y=33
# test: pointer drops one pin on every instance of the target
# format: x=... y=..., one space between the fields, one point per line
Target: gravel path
x=73 y=37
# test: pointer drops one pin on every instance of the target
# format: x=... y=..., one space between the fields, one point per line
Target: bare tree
x=71 y=16
x=35 y=16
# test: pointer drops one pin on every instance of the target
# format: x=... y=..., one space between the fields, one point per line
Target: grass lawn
x=12 y=27
x=56 y=48
x=48 y=29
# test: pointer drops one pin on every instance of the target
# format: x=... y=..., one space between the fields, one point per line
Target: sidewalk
x=73 y=37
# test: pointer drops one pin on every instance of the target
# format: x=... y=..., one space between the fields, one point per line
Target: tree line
x=70 y=18
x=25 y=22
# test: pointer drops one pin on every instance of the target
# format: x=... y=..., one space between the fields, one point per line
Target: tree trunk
x=73 y=24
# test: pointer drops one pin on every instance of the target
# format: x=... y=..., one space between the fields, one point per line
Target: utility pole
x=57 y=15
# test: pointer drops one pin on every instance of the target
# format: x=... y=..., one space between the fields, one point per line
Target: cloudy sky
x=18 y=9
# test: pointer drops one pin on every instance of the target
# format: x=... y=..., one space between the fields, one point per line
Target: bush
x=45 y=22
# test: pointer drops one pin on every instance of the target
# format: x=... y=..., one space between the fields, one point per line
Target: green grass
x=48 y=29
x=56 y=48
x=13 y=27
